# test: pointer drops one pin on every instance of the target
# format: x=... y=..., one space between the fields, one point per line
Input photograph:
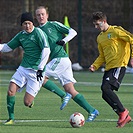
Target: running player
x=59 y=66
x=30 y=73
x=114 y=50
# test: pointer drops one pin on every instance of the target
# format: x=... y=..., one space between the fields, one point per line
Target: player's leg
x=111 y=98
x=109 y=101
x=65 y=97
x=67 y=80
x=109 y=84
x=81 y=101
x=16 y=82
x=52 y=69
x=28 y=100
x=32 y=87
x=51 y=86
x=11 y=102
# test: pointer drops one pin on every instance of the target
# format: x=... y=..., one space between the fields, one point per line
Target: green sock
x=51 y=86
x=80 y=100
x=10 y=106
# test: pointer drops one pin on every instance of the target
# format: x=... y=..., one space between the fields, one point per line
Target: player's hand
x=61 y=42
x=39 y=75
x=92 y=68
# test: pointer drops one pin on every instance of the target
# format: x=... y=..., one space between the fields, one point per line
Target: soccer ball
x=77 y=120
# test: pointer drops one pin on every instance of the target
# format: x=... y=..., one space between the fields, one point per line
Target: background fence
x=83 y=48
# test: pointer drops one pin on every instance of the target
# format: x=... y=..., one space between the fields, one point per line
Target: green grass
x=52 y=120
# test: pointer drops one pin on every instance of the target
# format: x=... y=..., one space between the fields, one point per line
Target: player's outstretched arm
x=72 y=33
x=5 y=48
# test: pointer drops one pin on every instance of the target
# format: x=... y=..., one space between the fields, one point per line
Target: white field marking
x=41 y=120
x=26 y=121
x=4 y=83
x=97 y=83
x=7 y=72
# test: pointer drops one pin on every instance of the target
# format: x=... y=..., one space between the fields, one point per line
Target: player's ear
x=47 y=15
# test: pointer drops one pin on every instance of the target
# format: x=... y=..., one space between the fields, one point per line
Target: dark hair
x=98 y=16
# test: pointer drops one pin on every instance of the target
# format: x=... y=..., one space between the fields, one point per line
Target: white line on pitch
x=97 y=120
x=78 y=83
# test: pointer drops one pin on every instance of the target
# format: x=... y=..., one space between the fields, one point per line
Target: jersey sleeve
x=62 y=28
x=5 y=48
x=14 y=43
x=68 y=31
x=100 y=59
x=125 y=36
x=44 y=58
x=44 y=45
x=72 y=33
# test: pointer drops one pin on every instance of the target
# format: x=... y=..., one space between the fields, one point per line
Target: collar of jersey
x=43 y=24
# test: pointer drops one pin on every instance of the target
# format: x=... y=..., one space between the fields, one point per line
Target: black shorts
x=114 y=77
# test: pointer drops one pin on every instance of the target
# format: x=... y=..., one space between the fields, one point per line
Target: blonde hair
x=43 y=7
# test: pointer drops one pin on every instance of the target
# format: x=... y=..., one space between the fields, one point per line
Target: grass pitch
x=46 y=117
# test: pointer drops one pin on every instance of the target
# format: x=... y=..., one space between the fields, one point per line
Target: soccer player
x=30 y=73
x=114 y=51
x=59 y=66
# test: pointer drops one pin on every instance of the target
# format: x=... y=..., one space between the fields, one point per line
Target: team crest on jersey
x=109 y=35
x=49 y=30
x=32 y=37
x=21 y=39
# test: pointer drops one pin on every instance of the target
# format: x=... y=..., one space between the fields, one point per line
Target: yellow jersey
x=114 y=47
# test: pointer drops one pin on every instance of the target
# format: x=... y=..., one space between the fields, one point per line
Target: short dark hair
x=98 y=16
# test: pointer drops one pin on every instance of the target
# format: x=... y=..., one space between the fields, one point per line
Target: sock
x=10 y=106
x=51 y=86
x=80 y=100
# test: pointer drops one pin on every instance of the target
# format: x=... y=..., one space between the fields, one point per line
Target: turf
x=46 y=117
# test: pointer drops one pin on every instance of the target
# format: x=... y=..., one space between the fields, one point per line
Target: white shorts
x=27 y=78
x=61 y=69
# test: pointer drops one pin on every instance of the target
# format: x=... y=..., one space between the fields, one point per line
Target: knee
x=105 y=87
x=45 y=80
x=28 y=99
x=12 y=89
x=26 y=103
x=69 y=88
x=10 y=93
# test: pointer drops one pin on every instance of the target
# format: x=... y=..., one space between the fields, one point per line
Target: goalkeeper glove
x=61 y=42
x=39 y=75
